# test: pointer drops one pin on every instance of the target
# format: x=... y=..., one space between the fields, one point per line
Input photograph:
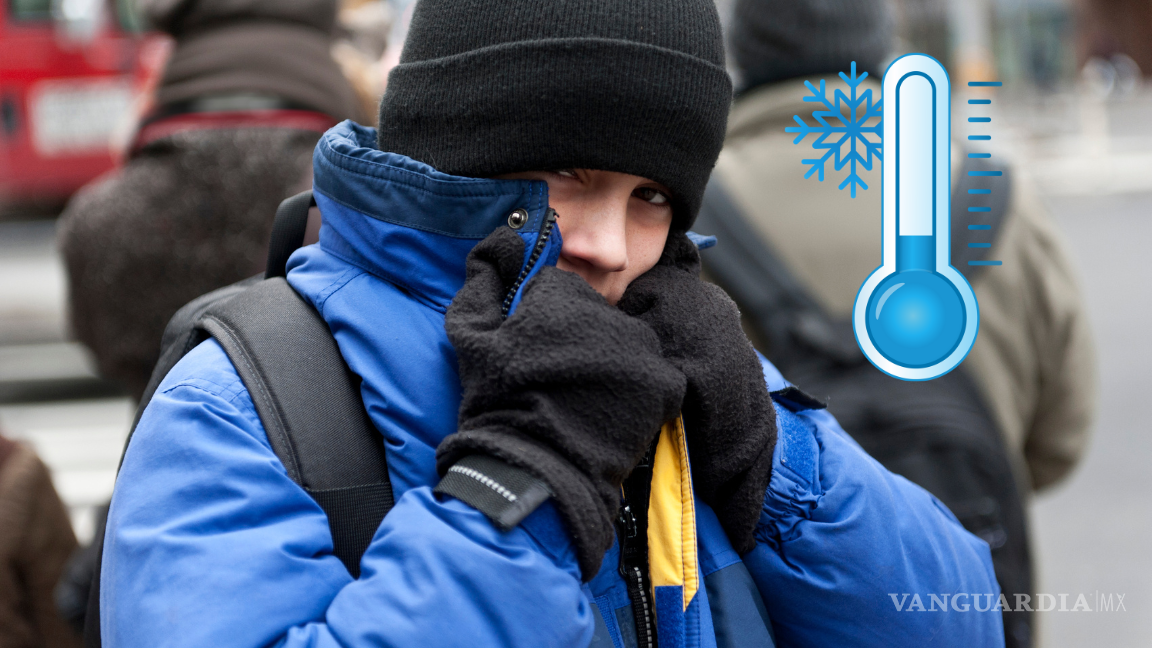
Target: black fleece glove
x=728 y=415
x=568 y=388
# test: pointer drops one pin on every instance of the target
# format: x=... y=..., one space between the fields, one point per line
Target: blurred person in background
x=1031 y=373
x=1033 y=359
x=35 y=541
x=249 y=88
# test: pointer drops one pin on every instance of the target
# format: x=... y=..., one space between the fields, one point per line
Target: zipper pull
x=627 y=522
x=544 y=233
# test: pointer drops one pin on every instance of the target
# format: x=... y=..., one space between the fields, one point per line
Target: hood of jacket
x=393 y=244
x=409 y=224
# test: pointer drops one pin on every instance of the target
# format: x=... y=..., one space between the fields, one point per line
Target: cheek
x=646 y=239
x=645 y=243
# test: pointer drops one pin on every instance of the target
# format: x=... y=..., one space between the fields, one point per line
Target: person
x=505 y=265
x=36 y=539
x=245 y=95
x=1033 y=361
x=1015 y=416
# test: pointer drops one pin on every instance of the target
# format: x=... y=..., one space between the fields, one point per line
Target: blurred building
x=1015 y=41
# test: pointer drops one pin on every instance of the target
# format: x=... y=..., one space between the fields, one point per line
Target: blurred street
x=1091 y=532
x=1093 y=163
x=79 y=438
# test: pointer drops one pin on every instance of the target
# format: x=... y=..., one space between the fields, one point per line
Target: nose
x=597 y=241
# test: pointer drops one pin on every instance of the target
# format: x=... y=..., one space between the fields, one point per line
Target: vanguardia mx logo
x=987 y=602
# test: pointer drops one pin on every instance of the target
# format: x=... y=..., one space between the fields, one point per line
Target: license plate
x=78 y=116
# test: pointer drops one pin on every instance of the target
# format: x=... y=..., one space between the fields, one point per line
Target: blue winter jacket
x=209 y=543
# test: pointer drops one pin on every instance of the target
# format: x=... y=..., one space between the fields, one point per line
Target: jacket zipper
x=541 y=242
x=633 y=534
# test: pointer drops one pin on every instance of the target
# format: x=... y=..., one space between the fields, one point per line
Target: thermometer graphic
x=916 y=317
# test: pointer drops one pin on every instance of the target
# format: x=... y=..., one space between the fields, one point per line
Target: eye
x=567 y=173
x=651 y=195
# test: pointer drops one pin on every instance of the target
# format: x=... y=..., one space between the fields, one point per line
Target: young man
x=505 y=265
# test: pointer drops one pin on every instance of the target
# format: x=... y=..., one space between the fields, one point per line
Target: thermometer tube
x=915 y=316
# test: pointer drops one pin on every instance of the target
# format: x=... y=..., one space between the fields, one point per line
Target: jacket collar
x=404 y=221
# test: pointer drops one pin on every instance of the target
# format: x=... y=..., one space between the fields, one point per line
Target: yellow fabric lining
x=672 y=556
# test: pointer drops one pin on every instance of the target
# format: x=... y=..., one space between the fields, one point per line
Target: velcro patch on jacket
x=502 y=492
x=796 y=400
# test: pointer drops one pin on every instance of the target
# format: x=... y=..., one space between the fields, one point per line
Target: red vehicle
x=72 y=76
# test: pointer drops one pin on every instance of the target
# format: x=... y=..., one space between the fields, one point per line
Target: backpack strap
x=181 y=336
x=305 y=394
x=310 y=405
x=288 y=232
x=307 y=398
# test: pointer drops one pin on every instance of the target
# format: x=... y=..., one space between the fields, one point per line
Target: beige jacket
x=35 y=541
x=1033 y=358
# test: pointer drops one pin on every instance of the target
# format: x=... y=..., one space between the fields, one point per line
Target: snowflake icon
x=853 y=113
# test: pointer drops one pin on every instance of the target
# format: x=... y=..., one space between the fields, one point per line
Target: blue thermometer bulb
x=916 y=316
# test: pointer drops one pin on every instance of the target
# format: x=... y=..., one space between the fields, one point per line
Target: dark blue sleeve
x=850 y=554
x=209 y=543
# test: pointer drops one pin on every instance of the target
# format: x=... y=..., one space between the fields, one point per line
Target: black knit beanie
x=774 y=40
x=486 y=87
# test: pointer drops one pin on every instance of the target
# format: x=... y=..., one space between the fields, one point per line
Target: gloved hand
x=568 y=389
x=729 y=419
